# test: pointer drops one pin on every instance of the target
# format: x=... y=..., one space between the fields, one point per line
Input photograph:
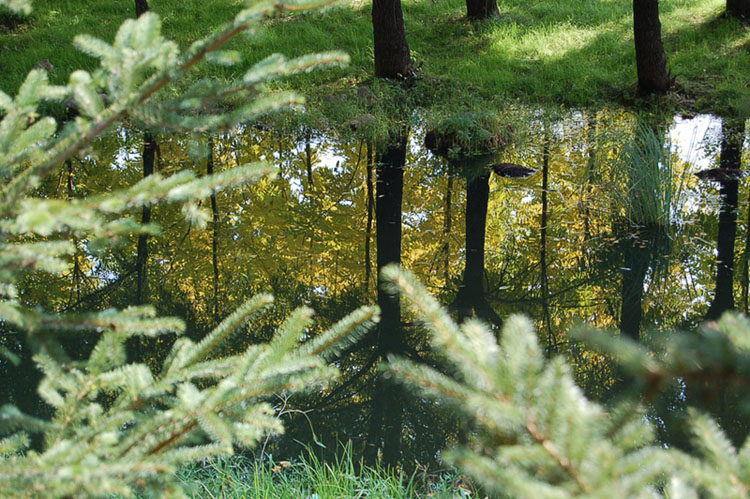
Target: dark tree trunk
x=215 y=238
x=481 y=9
x=308 y=160
x=590 y=173
x=725 y=400
x=370 y=207
x=746 y=261
x=739 y=8
x=77 y=273
x=141 y=7
x=551 y=338
x=387 y=401
x=392 y=56
x=141 y=262
x=638 y=247
x=651 y=62
x=731 y=157
x=470 y=299
x=447 y=224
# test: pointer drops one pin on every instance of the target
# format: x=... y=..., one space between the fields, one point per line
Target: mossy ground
x=540 y=53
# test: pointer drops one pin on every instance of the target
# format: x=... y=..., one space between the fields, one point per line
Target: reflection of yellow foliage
x=285 y=231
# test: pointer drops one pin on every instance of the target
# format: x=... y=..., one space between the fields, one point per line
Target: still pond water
x=588 y=237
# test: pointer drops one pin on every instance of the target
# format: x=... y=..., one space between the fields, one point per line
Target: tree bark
x=388 y=401
x=392 y=55
x=731 y=157
x=481 y=9
x=141 y=7
x=739 y=8
x=650 y=59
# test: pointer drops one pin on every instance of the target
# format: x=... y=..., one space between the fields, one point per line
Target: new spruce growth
x=537 y=434
x=117 y=426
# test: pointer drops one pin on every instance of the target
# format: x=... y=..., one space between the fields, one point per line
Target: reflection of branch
x=104 y=289
x=327 y=399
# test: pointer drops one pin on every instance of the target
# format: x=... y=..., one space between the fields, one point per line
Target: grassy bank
x=538 y=53
x=310 y=478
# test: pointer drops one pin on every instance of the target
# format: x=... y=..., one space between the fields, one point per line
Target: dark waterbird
x=512 y=170
x=721 y=174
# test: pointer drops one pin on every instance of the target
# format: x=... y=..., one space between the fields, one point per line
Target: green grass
x=309 y=478
x=538 y=53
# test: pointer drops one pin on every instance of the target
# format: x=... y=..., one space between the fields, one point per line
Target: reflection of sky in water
x=692 y=138
x=696 y=141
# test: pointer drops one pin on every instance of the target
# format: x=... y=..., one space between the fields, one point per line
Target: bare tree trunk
x=650 y=59
x=392 y=55
x=739 y=8
x=481 y=9
x=141 y=7
x=215 y=238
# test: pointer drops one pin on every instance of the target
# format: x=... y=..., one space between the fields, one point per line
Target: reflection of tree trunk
x=551 y=339
x=141 y=262
x=308 y=160
x=470 y=299
x=746 y=260
x=215 y=236
x=637 y=249
x=370 y=206
x=387 y=401
x=447 y=223
x=590 y=166
x=77 y=274
x=731 y=157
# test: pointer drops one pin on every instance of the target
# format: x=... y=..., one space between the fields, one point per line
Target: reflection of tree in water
x=733 y=137
x=309 y=246
x=726 y=402
x=470 y=299
x=387 y=400
x=641 y=249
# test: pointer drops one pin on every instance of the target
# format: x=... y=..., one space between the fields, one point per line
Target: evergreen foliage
x=116 y=426
x=538 y=435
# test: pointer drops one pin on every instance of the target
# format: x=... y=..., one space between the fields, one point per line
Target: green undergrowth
x=307 y=477
x=546 y=53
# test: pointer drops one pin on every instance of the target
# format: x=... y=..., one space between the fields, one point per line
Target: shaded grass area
x=309 y=478
x=546 y=52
